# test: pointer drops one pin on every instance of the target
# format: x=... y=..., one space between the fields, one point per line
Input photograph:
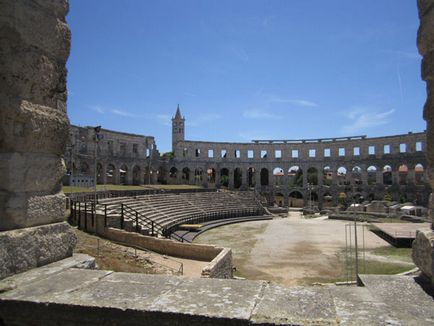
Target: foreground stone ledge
x=23 y=249
x=64 y=294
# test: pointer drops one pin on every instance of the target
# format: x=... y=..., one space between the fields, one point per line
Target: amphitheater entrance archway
x=238 y=178
x=110 y=174
x=186 y=175
x=327 y=200
x=99 y=174
x=387 y=175
x=198 y=176
x=356 y=175
x=278 y=175
x=296 y=199
x=211 y=175
x=295 y=176
x=251 y=177
x=341 y=174
x=403 y=174
x=84 y=168
x=327 y=176
x=264 y=177
x=123 y=172
x=418 y=174
x=372 y=175
x=279 y=199
x=312 y=176
x=224 y=177
x=173 y=174
x=136 y=175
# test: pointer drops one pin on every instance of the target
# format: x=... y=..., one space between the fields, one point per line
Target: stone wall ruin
x=35 y=44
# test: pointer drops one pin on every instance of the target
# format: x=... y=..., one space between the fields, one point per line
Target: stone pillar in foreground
x=34 y=43
x=423 y=246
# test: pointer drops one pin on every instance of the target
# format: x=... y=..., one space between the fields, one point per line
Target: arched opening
x=312 y=176
x=279 y=199
x=173 y=174
x=84 y=168
x=224 y=177
x=110 y=174
x=147 y=176
x=342 y=176
x=372 y=175
x=296 y=199
x=295 y=176
x=327 y=200
x=403 y=173
x=136 y=175
x=198 y=176
x=418 y=174
x=123 y=171
x=238 y=178
x=186 y=175
x=327 y=176
x=211 y=175
x=99 y=174
x=371 y=197
x=387 y=175
x=264 y=177
x=278 y=176
x=162 y=174
x=356 y=174
x=251 y=177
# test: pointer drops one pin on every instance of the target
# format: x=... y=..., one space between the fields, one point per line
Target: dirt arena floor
x=295 y=250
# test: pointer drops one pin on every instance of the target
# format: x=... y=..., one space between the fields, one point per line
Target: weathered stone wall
x=220 y=259
x=121 y=157
x=34 y=43
x=425 y=44
x=423 y=246
x=359 y=153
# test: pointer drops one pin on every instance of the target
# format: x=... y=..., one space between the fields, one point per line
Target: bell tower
x=178 y=128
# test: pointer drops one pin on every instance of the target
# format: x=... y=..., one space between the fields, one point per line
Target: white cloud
x=97 y=108
x=297 y=102
x=260 y=114
x=123 y=113
x=365 y=118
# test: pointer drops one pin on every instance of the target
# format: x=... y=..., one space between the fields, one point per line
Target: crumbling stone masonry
x=423 y=246
x=34 y=47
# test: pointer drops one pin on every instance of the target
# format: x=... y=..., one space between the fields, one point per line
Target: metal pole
x=355 y=248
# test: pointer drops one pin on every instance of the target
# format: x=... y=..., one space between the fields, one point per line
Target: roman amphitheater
x=273 y=232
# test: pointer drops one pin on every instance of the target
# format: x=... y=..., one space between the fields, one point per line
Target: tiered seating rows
x=172 y=209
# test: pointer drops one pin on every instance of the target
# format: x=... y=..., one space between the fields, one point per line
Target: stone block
x=19 y=210
x=423 y=253
x=295 y=306
x=33 y=22
x=428 y=66
x=23 y=249
x=31 y=172
x=32 y=128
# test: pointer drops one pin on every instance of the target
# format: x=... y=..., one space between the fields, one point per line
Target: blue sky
x=244 y=70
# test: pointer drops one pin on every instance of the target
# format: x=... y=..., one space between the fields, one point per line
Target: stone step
x=405 y=295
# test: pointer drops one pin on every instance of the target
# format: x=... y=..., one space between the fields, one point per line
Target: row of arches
x=295 y=177
x=112 y=174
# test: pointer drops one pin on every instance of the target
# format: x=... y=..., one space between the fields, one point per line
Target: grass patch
x=173 y=186
x=403 y=254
